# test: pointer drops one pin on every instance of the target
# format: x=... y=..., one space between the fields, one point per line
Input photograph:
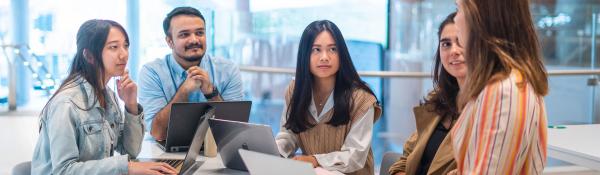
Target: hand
x=127 y=90
x=202 y=79
x=192 y=82
x=143 y=168
x=309 y=159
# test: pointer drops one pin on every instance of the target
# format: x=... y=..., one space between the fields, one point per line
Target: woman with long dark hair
x=81 y=125
x=330 y=111
x=429 y=148
x=502 y=126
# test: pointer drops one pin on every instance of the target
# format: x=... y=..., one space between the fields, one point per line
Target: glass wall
x=5 y=21
x=568 y=35
x=268 y=35
x=398 y=35
x=44 y=59
x=413 y=42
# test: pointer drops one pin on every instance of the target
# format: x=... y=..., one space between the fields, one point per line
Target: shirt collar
x=328 y=106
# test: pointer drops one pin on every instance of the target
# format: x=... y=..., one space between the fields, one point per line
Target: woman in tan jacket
x=429 y=149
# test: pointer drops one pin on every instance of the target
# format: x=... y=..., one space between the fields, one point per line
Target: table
x=577 y=144
x=211 y=165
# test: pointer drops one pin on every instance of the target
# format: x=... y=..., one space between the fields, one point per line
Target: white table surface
x=577 y=144
x=211 y=165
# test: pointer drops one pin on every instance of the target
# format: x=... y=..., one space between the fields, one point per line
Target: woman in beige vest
x=429 y=149
x=329 y=112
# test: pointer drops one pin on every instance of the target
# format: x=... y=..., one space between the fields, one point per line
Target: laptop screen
x=194 y=151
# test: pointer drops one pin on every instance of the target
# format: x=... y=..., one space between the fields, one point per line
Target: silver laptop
x=265 y=164
x=184 y=117
x=233 y=135
x=188 y=165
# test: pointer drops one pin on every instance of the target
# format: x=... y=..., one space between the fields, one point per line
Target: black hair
x=179 y=11
x=87 y=63
x=346 y=80
x=445 y=92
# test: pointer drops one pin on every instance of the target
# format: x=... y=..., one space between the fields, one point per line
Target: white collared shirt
x=354 y=151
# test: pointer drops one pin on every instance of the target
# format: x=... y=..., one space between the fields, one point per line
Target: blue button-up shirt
x=160 y=79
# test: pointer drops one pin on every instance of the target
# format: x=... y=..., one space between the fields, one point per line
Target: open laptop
x=189 y=165
x=185 y=116
x=265 y=164
x=233 y=135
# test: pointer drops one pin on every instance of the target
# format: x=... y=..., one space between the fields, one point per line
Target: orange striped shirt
x=502 y=131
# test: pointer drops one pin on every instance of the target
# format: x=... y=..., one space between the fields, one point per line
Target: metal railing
x=396 y=74
x=592 y=81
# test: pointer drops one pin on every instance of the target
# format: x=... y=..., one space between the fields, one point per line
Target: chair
x=389 y=158
x=23 y=168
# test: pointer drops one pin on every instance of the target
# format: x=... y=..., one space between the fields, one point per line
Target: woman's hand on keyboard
x=150 y=168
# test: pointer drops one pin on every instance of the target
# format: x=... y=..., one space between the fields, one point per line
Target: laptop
x=233 y=135
x=265 y=164
x=185 y=116
x=189 y=165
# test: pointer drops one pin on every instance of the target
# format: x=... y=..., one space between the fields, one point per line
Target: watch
x=214 y=93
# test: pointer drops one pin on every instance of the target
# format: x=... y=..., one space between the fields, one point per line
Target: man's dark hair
x=180 y=11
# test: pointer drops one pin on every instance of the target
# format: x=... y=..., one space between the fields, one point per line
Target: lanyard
x=170 y=72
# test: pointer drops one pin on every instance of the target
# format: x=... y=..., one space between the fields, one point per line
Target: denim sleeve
x=63 y=133
x=151 y=94
x=233 y=90
x=133 y=134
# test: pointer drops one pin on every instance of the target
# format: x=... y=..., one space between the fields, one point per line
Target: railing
x=592 y=81
x=395 y=74
x=386 y=74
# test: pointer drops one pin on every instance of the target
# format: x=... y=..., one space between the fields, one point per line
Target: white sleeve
x=287 y=141
x=355 y=149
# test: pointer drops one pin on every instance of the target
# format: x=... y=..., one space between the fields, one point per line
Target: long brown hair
x=501 y=38
x=443 y=96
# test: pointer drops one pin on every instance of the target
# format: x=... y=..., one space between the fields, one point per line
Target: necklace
x=320 y=101
x=323 y=101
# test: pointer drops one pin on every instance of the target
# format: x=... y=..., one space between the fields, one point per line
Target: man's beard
x=192 y=58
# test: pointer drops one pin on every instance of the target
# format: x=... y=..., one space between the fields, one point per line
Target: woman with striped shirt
x=502 y=127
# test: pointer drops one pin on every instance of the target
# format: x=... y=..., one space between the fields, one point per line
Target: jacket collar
x=88 y=99
x=426 y=122
x=443 y=156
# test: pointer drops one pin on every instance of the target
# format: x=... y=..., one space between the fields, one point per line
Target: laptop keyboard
x=173 y=162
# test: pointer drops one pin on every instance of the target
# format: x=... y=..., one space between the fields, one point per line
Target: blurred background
x=37 y=39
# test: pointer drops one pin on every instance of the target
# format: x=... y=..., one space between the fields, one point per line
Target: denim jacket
x=78 y=136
